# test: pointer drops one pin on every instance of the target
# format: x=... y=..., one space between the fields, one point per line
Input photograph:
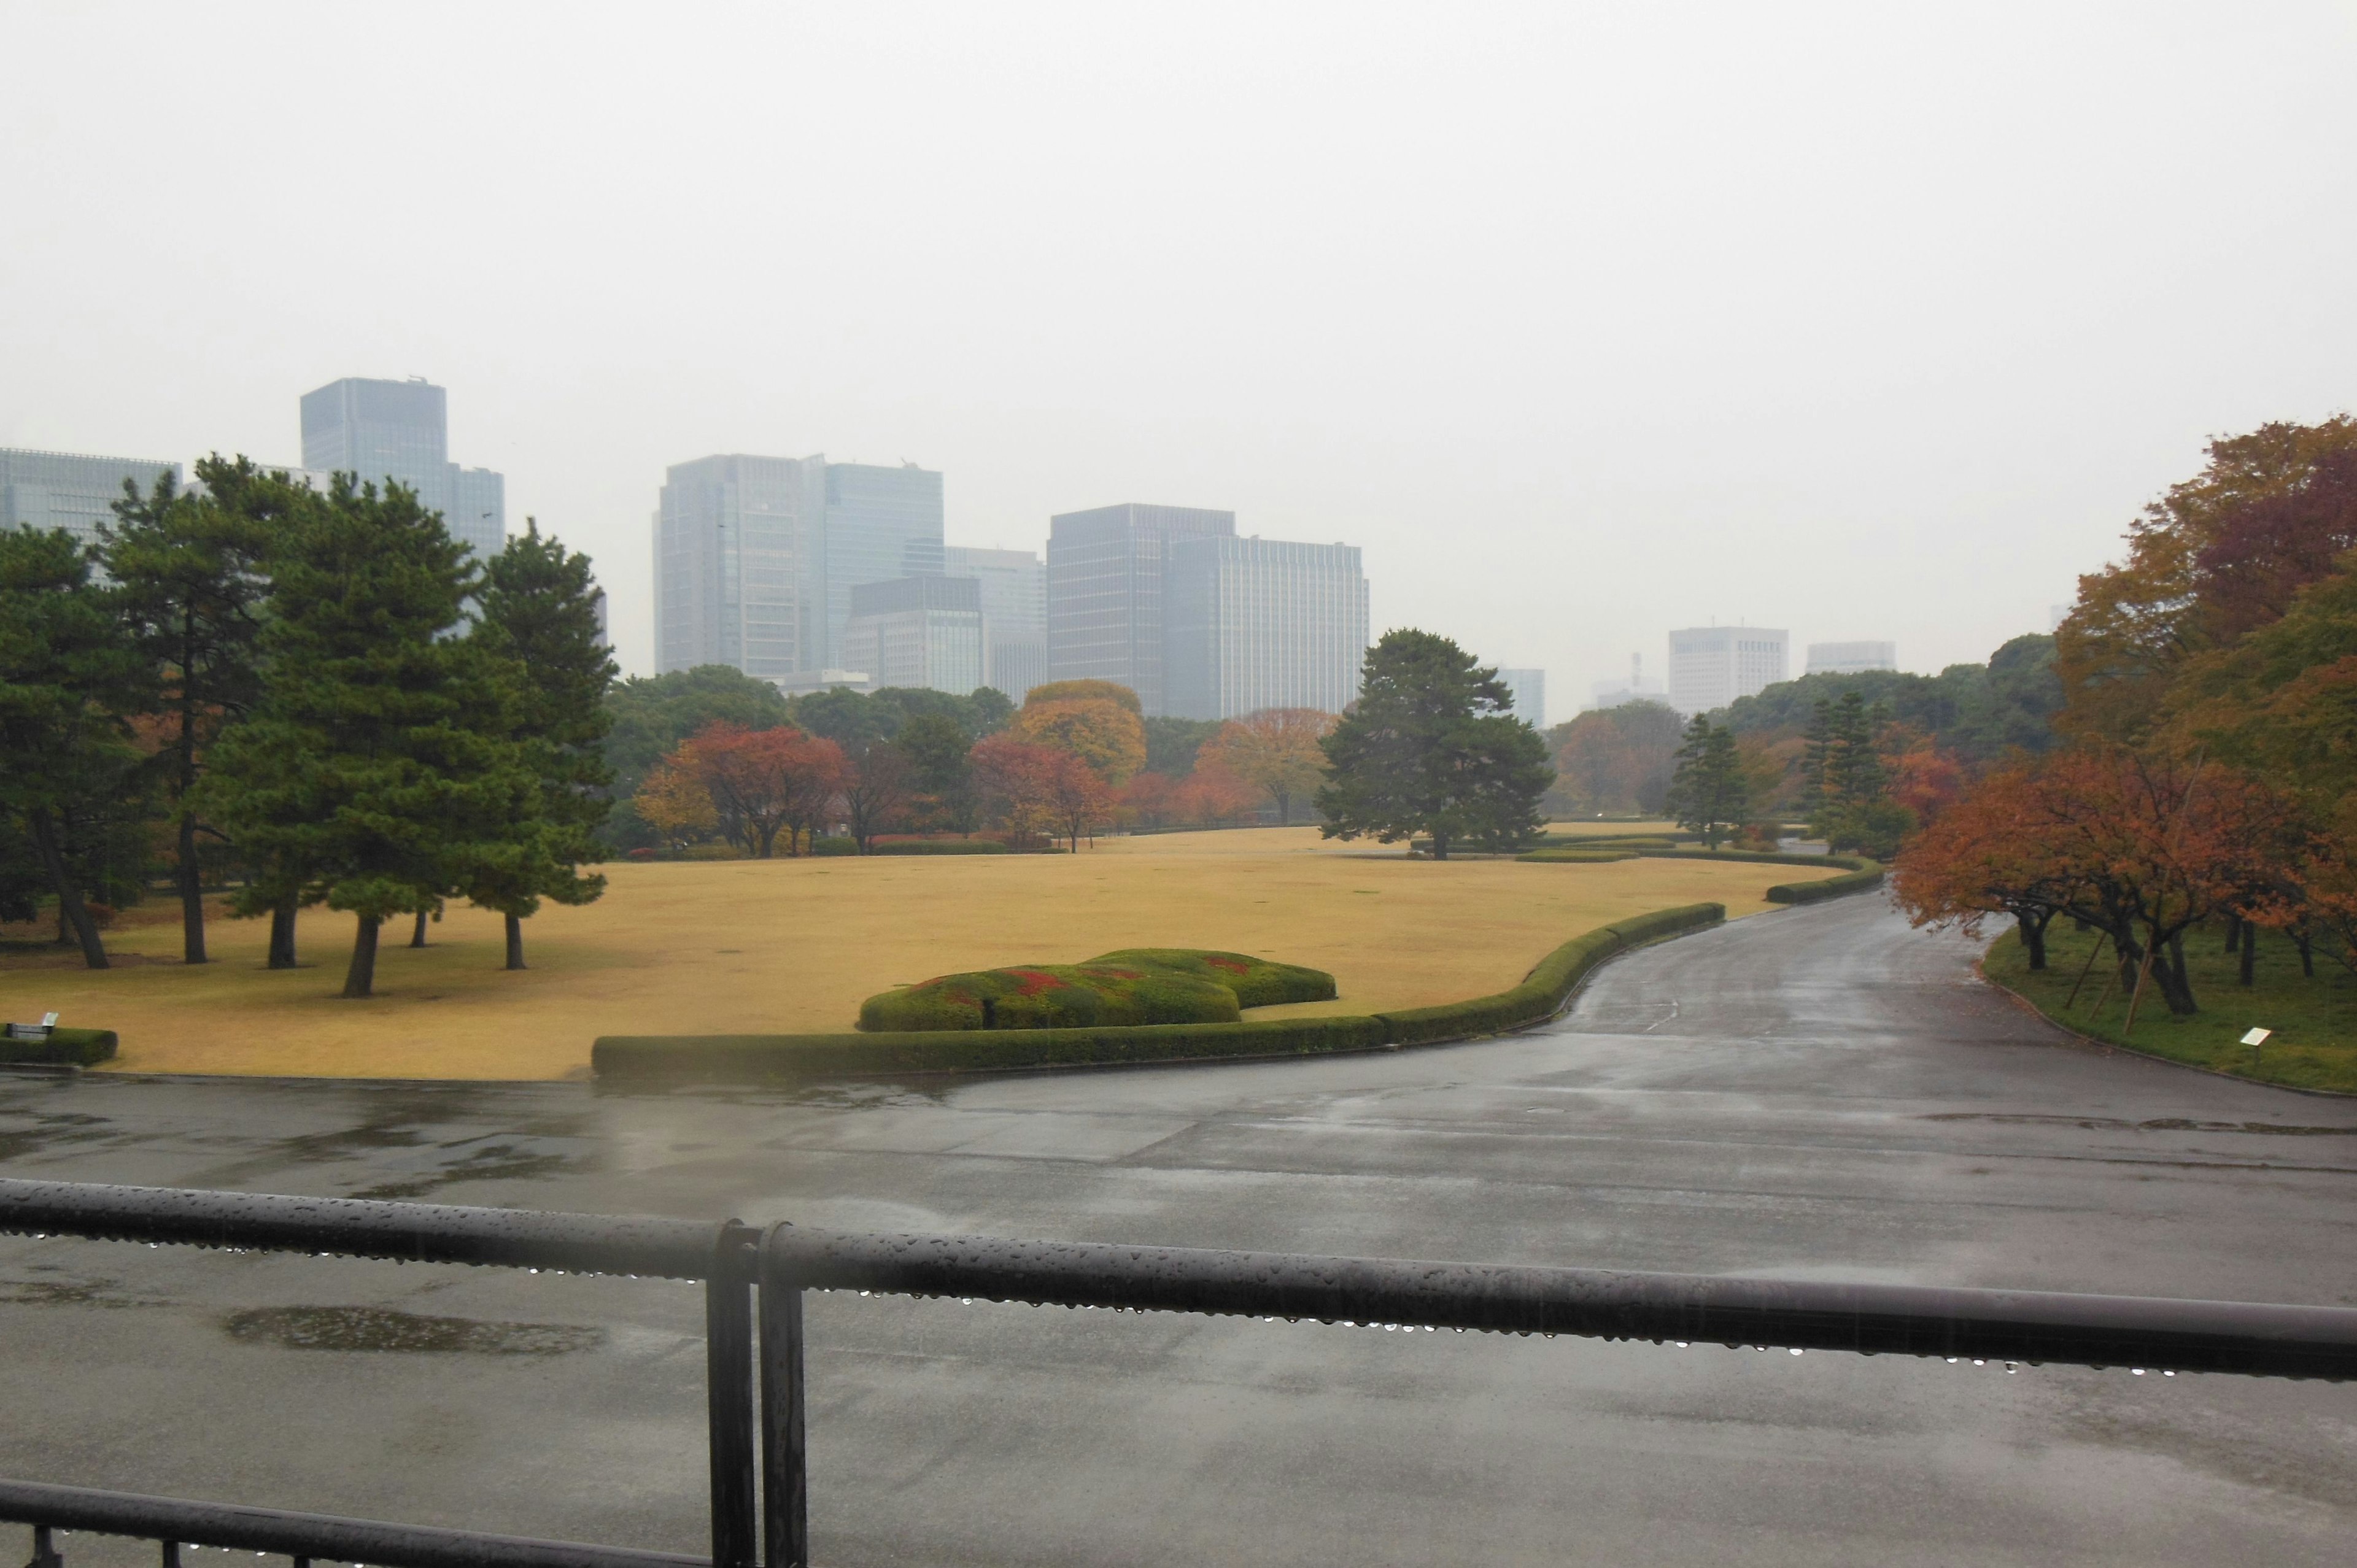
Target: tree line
x=2204 y=762
x=319 y=694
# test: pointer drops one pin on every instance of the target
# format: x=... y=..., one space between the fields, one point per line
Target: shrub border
x=806 y=1059
x=64 y=1048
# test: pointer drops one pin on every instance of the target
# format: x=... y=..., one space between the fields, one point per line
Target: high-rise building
x=1261 y=623
x=1710 y=666
x=1851 y=657
x=1529 y=689
x=917 y=631
x=1638 y=688
x=1105 y=572
x=401 y=431
x=43 y=491
x=739 y=566
x=881 y=524
x=1014 y=613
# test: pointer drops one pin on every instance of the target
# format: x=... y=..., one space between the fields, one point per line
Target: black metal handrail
x=2240 y=1337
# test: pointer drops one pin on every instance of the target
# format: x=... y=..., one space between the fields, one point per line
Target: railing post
x=729 y=1397
x=785 y=1469
x=45 y=1551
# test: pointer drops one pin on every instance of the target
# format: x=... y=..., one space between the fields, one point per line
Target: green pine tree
x=1709 y=794
x=539 y=617
x=1431 y=747
x=68 y=673
x=376 y=767
x=189 y=570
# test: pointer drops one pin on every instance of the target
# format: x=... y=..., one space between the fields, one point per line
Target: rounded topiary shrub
x=1051 y=996
x=1257 y=981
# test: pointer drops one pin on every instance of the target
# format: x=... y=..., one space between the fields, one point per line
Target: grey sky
x=1586 y=321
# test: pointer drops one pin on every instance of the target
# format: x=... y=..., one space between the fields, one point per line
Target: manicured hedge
x=1830 y=887
x=1615 y=841
x=740 y=1058
x=737 y=1058
x=1543 y=993
x=1135 y=986
x=1576 y=856
x=1760 y=857
x=75 y=1048
x=909 y=846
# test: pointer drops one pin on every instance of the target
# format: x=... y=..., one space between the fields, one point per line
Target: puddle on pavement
x=2158 y=1124
x=380 y=1328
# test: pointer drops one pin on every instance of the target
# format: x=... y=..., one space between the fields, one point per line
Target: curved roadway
x=1816 y=1092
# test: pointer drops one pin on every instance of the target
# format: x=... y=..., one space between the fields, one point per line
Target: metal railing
x=760 y=1478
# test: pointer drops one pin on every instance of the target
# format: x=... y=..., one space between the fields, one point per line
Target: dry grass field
x=793 y=945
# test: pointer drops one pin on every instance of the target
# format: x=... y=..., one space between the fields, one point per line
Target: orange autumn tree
x=1105 y=734
x=1273 y=751
x=761 y=782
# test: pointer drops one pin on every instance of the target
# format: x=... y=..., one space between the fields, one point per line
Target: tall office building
x=1105 y=572
x=881 y=524
x=739 y=566
x=1638 y=688
x=1261 y=623
x=917 y=631
x=1851 y=657
x=400 y=430
x=1529 y=690
x=43 y=491
x=1710 y=666
x=1014 y=613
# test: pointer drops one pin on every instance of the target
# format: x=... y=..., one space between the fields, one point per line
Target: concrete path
x=1817 y=1092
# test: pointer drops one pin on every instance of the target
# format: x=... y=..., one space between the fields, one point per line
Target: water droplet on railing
x=2136 y=1372
x=1796 y=1352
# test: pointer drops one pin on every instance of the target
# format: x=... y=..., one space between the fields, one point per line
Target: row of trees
x=2208 y=765
x=1070 y=763
x=324 y=688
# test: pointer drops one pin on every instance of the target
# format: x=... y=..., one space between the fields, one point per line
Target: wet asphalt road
x=1819 y=1093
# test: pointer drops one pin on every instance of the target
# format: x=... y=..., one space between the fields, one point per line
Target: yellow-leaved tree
x=1275 y=751
x=1105 y=734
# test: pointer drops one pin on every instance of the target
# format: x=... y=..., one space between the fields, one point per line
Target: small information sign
x=2258 y=1037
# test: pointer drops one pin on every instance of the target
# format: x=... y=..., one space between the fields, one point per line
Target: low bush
x=1576 y=856
x=712 y=852
x=938 y=846
x=1830 y=887
x=1760 y=857
x=74 y=1048
x=1547 y=987
x=738 y=1059
x=1615 y=841
x=1257 y=981
x=1133 y=987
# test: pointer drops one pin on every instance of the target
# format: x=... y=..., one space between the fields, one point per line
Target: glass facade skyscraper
x=1105 y=572
x=1014 y=614
x=1261 y=623
x=737 y=542
x=400 y=430
x=1528 y=688
x=43 y=491
x=881 y=524
x=1710 y=666
x=917 y=631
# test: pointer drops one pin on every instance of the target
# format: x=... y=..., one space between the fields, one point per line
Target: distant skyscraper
x=881 y=524
x=1529 y=687
x=44 y=491
x=1014 y=613
x=1638 y=688
x=1260 y=623
x=1711 y=666
x=739 y=565
x=1105 y=571
x=400 y=430
x=1851 y=657
x=917 y=631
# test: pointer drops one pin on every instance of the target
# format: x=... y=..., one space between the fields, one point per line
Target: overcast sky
x=1585 y=321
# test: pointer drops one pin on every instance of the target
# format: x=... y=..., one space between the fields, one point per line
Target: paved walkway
x=1820 y=1093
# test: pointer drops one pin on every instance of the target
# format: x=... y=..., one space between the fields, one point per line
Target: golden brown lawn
x=787 y=945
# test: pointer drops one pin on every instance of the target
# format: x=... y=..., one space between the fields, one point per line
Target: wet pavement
x=1816 y=1094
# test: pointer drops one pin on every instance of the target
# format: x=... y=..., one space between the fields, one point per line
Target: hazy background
x=1585 y=321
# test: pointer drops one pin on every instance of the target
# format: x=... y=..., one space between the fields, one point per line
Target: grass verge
x=2314 y=1043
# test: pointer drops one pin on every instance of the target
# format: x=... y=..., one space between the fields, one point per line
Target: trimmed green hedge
x=1133 y=987
x=1760 y=857
x=1543 y=993
x=1616 y=841
x=1575 y=856
x=737 y=1058
x=75 y=1048
x=1830 y=887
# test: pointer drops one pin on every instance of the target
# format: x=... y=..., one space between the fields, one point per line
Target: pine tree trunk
x=417 y=932
x=2250 y=954
x=361 y=978
x=282 y=934
x=71 y=909
x=515 y=941
x=192 y=896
